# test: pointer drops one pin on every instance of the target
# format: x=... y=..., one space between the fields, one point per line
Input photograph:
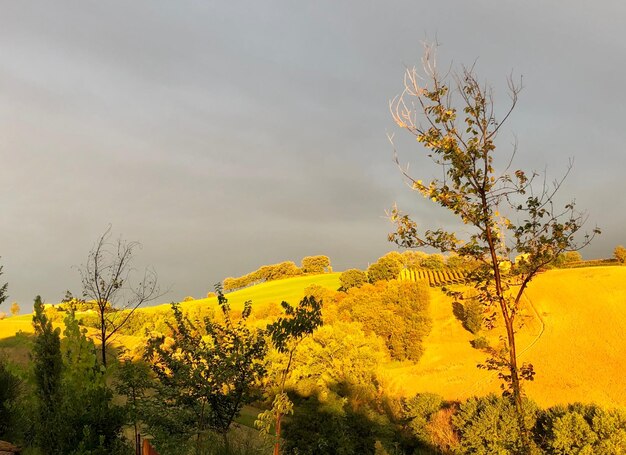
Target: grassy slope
x=289 y=289
x=580 y=354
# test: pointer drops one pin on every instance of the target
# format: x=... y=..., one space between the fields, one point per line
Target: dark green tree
x=134 y=381
x=206 y=372
x=75 y=413
x=47 y=368
x=452 y=117
x=10 y=391
x=286 y=334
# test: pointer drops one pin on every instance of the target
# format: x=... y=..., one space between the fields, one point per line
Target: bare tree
x=106 y=280
x=506 y=213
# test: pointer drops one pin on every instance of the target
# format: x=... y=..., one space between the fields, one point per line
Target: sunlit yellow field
x=575 y=339
x=289 y=289
x=574 y=333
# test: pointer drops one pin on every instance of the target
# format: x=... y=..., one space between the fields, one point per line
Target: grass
x=290 y=290
x=575 y=339
x=580 y=355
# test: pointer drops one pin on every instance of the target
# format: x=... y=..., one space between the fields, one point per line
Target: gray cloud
x=227 y=135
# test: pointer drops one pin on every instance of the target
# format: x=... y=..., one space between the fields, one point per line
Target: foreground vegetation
x=391 y=370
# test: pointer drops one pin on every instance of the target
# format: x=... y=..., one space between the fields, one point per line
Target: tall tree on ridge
x=506 y=213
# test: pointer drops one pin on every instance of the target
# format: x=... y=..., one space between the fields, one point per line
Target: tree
x=286 y=334
x=206 y=372
x=619 y=253
x=385 y=269
x=15 y=308
x=10 y=391
x=133 y=383
x=3 y=290
x=352 y=278
x=315 y=264
x=74 y=414
x=507 y=213
x=396 y=311
x=106 y=279
x=433 y=261
x=47 y=368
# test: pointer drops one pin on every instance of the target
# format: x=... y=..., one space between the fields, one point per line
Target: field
x=573 y=333
x=575 y=321
x=290 y=290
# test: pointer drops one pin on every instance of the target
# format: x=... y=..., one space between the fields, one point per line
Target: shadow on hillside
x=17 y=347
x=335 y=426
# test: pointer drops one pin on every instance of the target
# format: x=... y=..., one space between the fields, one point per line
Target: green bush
x=473 y=315
x=488 y=425
x=10 y=391
x=396 y=311
x=434 y=262
x=582 y=428
x=352 y=278
x=418 y=411
x=480 y=343
x=316 y=430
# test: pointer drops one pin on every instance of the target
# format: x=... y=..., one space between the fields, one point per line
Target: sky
x=227 y=135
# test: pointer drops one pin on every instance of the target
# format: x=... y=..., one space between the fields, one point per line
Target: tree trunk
x=104 y=345
x=277 y=441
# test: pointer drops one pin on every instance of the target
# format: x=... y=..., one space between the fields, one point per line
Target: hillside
x=574 y=322
x=575 y=340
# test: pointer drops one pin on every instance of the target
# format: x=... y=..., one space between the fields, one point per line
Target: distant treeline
x=309 y=265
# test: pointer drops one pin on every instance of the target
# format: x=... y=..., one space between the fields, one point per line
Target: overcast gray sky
x=227 y=135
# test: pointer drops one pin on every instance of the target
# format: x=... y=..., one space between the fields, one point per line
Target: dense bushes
x=10 y=391
x=396 y=311
x=488 y=425
x=72 y=405
x=579 y=428
x=317 y=430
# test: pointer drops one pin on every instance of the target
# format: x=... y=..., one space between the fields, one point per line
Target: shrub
x=580 y=428
x=488 y=425
x=352 y=278
x=418 y=412
x=396 y=311
x=480 y=343
x=473 y=315
x=441 y=432
x=316 y=430
x=266 y=273
x=10 y=390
